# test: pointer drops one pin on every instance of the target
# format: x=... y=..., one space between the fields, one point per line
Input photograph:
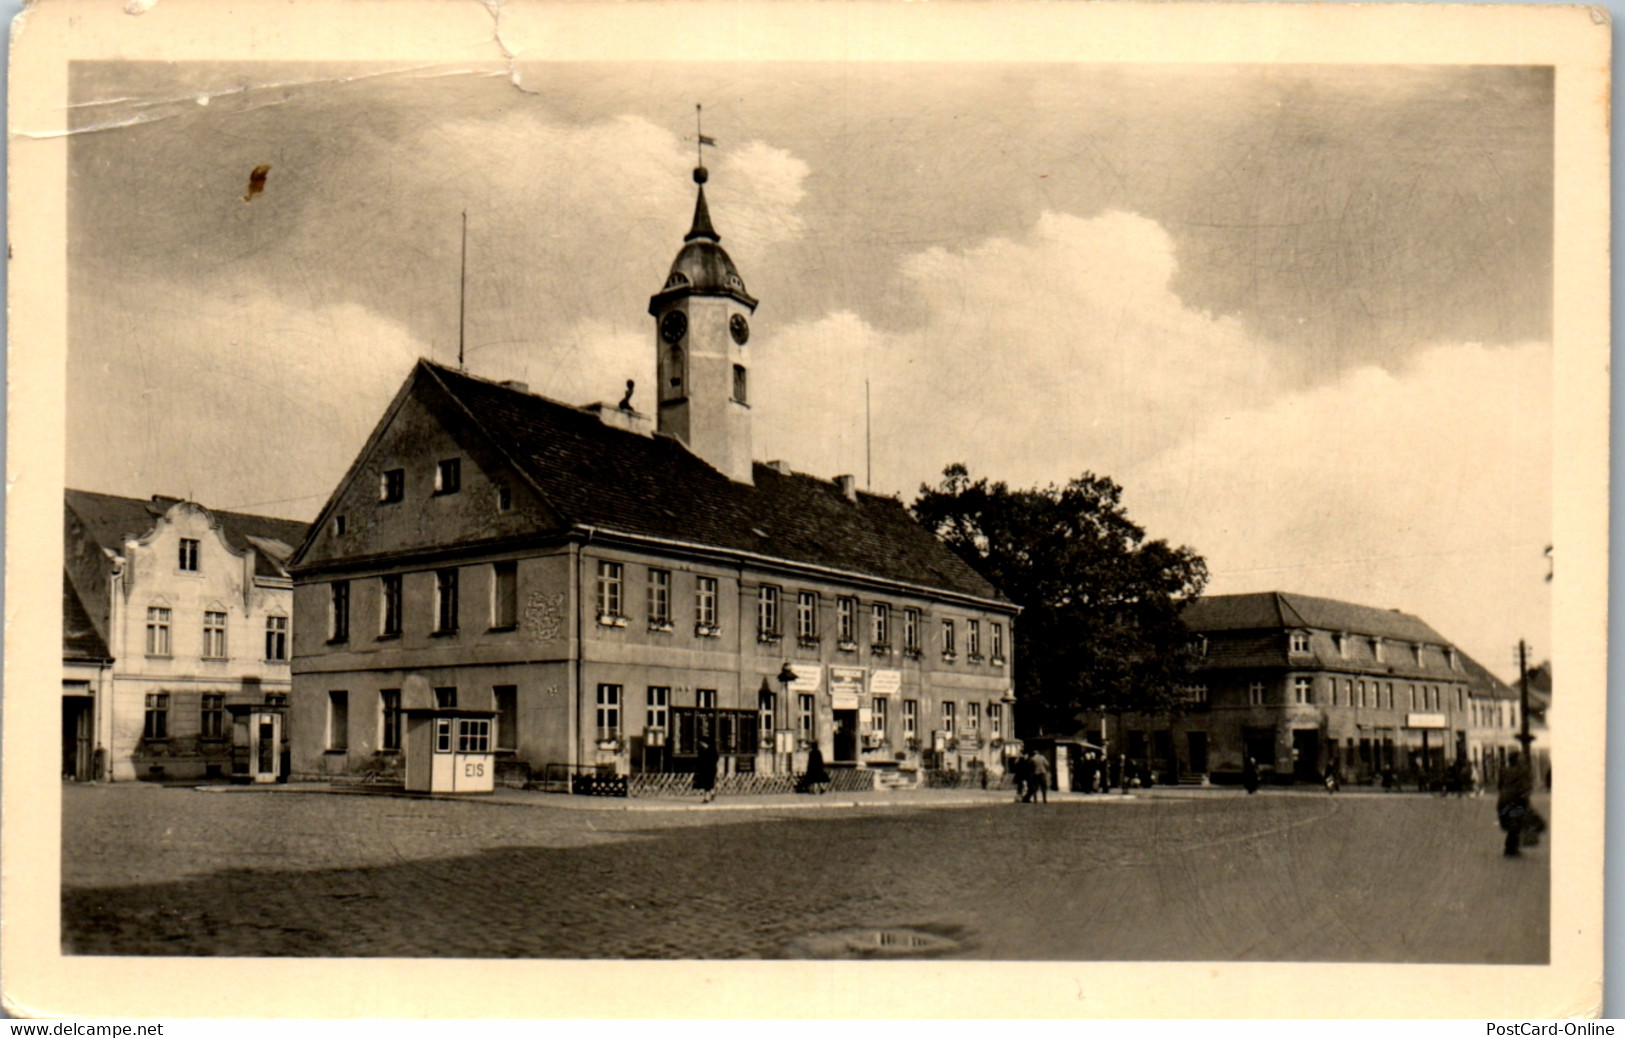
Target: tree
x=1100 y=627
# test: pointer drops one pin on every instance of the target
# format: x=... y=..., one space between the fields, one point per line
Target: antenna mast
x=462 y=293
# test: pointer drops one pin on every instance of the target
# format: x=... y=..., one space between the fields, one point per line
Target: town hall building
x=590 y=592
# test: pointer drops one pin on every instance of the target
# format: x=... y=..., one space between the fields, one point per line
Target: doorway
x=845 y=737
x=1198 y=751
x=1306 y=755
x=77 y=715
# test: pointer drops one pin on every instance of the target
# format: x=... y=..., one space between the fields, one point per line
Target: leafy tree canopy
x=1100 y=626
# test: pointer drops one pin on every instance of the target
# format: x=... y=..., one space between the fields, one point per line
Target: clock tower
x=702 y=327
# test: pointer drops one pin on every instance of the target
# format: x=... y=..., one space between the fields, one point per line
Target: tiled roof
x=1280 y=610
x=653 y=487
x=80 y=639
x=111 y=520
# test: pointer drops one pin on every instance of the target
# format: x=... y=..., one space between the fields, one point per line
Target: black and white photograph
x=877 y=490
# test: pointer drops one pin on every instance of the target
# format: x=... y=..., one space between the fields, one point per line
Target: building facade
x=614 y=589
x=176 y=626
x=1299 y=683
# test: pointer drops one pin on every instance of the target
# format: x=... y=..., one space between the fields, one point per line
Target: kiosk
x=449 y=750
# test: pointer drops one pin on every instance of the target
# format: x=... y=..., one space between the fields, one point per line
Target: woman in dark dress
x=817 y=778
x=1249 y=775
x=705 y=771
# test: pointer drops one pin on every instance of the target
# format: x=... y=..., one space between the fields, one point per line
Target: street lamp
x=787 y=675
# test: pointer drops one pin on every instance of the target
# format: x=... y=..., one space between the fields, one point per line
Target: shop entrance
x=845 y=748
x=1306 y=755
x=77 y=715
x=1198 y=752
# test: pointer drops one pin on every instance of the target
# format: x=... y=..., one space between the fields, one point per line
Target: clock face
x=673 y=326
x=740 y=328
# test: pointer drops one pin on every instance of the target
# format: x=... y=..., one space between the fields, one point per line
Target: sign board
x=809 y=677
x=784 y=740
x=845 y=686
x=1434 y=721
x=886 y=682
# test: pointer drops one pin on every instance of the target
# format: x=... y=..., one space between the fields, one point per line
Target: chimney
x=849 y=487
x=513 y=383
x=629 y=420
x=781 y=467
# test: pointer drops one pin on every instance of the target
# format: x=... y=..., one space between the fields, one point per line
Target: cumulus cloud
x=1427 y=489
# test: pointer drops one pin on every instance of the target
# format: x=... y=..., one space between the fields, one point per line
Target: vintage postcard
x=1016 y=509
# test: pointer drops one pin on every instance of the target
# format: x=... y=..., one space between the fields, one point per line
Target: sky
x=1302 y=314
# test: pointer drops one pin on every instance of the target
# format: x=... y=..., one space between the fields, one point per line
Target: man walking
x=1038 y=777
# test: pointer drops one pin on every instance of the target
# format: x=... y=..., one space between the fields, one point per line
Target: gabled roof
x=80 y=638
x=1280 y=610
x=111 y=520
x=616 y=481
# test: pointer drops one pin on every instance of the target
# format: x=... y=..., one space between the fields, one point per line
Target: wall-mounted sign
x=809 y=677
x=1433 y=721
x=886 y=682
x=845 y=686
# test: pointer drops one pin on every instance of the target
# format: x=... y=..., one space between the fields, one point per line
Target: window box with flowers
x=913 y=652
x=847 y=646
x=874 y=740
x=613 y=744
x=808 y=641
x=768 y=638
x=660 y=626
x=997 y=661
x=880 y=649
x=950 y=657
x=707 y=631
x=974 y=657
x=611 y=620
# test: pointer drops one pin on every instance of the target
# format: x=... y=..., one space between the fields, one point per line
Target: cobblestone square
x=1282 y=876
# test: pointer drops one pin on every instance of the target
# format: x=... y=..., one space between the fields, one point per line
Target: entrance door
x=1162 y=748
x=1198 y=748
x=266 y=731
x=845 y=736
x=1306 y=748
x=76 y=740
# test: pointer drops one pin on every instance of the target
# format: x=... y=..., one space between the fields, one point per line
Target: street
x=1211 y=875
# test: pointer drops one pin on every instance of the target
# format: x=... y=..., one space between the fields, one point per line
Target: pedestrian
x=1331 y=779
x=705 y=771
x=1249 y=776
x=817 y=777
x=1020 y=771
x=1038 y=784
x=1512 y=803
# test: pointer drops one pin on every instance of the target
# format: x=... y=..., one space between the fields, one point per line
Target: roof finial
x=702 y=214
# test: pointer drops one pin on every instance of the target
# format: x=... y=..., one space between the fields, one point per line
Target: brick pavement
x=177 y=871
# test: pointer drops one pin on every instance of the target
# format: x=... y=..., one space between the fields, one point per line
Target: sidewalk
x=893 y=799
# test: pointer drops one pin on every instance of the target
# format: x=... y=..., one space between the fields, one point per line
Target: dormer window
x=1342 y=640
x=1197 y=645
x=1298 y=642
x=1416 y=651
x=677 y=280
x=1376 y=649
x=1455 y=660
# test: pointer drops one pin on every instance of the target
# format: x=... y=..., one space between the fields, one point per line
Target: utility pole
x=1524 y=738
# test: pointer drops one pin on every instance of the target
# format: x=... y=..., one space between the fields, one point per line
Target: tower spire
x=702 y=214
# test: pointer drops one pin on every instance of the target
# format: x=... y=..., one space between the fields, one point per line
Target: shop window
x=338 y=720
x=389 y=718
x=158 y=630
x=212 y=716
x=442 y=735
x=507 y=702
x=473 y=735
x=155 y=723
x=276 y=638
x=504 y=595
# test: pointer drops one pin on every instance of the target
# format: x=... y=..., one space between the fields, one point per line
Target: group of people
x=1031 y=773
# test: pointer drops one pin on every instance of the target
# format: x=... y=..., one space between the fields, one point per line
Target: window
x=276 y=637
x=948 y=640
x=1410 y=696
x=880 y=625
x=391 y=486
x=1342 y=640
x=1461 y=699
x=212 y=720
x=1301 y=691
x=1390 y=695
x=339 y=526
x=389 y=606
x=445 y=698
x=188 y=555
x=1299 y=641
x=766 y=702
x=1376 y=649
x=995 y=721
x=705 y=698
x=996 y=640
x=214 y=635
x=389 y=719
x=445 y=601
x=609 y=591
x=846 y=622
x=973 y=639
x=877 y=716
x=157 y=631
x=1194 y=695
x=705 y=603
x=442 y=735
x=609 y=711
x=804 y=716
x=949 y=716
x=1416 y=651
x=507 y=703
x=660 y=599
x=655 y=711
x=448 y=476
x=338 y=612
x=911 y=631
x=473 y=735
x=767 y=612
x=504 y=595
x=156 y=723
x=911 y=718
x=807 y=616
x=338 y=720
x=1255 y=694
x=1361 y=690
x=739 y=384
x=973 y=717
x=504 y=498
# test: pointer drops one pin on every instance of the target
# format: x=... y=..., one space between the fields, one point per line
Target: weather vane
x=700 y=142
